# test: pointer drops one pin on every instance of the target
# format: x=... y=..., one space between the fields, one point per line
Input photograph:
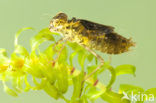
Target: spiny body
x=95 y=36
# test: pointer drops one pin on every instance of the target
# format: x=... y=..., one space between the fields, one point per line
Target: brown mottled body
x=95 y=36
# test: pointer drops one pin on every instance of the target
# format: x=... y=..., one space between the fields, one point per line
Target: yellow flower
x=3 y=68
x=19 y=63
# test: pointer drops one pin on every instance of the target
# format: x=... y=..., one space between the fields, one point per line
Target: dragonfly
x=92 y=36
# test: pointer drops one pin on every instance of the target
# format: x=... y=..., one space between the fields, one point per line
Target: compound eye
x=61 y=16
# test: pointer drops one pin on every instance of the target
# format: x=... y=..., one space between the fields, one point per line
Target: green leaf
x=19 y=32
x=21 y=50
x=40 y=85
x=129 y=88
x=33 y=66
x=71 y=58
x=81 y=58
x=113 y=77
x=41 y=37
x=51 y=90
x=82 y=54
x=62 y=78
x=4 y=60
x=151 y=91
x=63 y=56
x=105 y=66
x=47 y=67
x=18 y=48
x=94 y=94
x=91 y=68
x=97 y=73
x=75 y=46
x=112 y=97
x=27 y=85
x=49 y=52
x=10 y=91
x=78 y=85
x=83 y=99
x=90 y=57
x=2 y=53
x=125 y=69
x=17 y=84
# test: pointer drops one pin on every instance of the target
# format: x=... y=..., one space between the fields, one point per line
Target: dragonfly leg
x=95 y=70
x=98 y=57
x=59 y=52
x=94 y=53
x=60 y=40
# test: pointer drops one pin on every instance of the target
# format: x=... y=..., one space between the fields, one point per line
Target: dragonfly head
x=57 y=22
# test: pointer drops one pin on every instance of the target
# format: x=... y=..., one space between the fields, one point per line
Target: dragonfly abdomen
x=110 y=43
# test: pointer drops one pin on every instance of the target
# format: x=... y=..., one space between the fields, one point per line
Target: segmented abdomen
x=111 y=43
